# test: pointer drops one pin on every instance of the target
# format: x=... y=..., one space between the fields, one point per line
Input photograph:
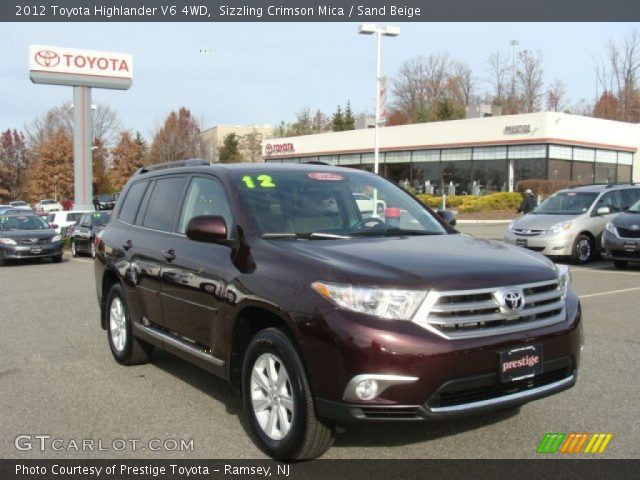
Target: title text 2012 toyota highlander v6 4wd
x=270 y=276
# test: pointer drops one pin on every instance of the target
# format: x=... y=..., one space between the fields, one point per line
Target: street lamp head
x=390 y=31
x=367 y=28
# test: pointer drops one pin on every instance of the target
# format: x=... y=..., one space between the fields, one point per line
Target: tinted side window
x=132 y=201
x=629 y=197
x=611 y=200
x=163 y=203
x=206 y=196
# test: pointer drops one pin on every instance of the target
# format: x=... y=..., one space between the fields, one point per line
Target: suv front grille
x=479 y=313
x=527 y=232
x=27 y=241
x=626 y=233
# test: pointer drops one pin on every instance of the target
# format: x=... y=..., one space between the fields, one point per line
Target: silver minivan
x=570 y=222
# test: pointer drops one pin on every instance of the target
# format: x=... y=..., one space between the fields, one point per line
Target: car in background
x=28 y=236
x=621 y=238
x=61 y=221
x=365 y=205
x=104 y=201
x=84 y=233
x=570 y=222
x=47 y=205
x=11 y=210
x=20 y=205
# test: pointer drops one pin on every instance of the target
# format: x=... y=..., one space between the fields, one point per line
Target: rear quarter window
x=132 y=201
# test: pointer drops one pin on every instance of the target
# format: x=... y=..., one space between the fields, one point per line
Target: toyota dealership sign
x=70 y=66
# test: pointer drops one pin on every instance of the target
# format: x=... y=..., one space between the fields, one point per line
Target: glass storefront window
x=528 y=151
x=458 y=172
x=489 y=153
x=606 y=156
x=584 y=154
x=353 y=159
x=605 y=173
x=559 y=170
x=330 y=159
x=530 y=168
x=397 y=157
x=426 y=156
x=560 y=152
x=396 y=172
x=491 y=175
x=424 y=171
x=456 y=154
x=582 y=172
x=625 y=158
x=624 y=173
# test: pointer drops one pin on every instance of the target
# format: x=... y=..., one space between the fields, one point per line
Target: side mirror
x=207 y=229
x=448 y=216
x=603 y=211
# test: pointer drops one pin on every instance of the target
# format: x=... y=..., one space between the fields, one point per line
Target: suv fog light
x=367 y=389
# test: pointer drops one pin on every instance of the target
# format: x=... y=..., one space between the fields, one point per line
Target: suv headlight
x=510 y=226
x=560 y=227
x=564 y=278
x=380 y=302
x=57 y=238
x=610 y=228
x=8 y=241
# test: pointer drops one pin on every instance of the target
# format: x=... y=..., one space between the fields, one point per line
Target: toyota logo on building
x=47 y=58
x=510 y=301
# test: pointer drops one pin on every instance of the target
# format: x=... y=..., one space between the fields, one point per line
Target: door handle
x=127 y=245
x=169 y=255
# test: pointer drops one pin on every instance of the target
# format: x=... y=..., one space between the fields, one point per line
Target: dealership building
x=481 y=154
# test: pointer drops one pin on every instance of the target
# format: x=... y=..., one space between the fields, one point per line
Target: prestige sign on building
x=70 y=66
x=81 y=69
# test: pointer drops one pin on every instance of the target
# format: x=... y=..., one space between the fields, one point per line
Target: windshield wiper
x=391 y=232
x=306 y=235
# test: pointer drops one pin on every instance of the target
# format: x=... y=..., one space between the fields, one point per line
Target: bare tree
x=251 y=146
x=465 y=82
x=617 y=71
x=556 y=96
x=498 y=69
x=530 y=77
x=420 y=84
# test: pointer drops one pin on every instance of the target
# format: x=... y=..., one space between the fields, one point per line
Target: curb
x=482 y=222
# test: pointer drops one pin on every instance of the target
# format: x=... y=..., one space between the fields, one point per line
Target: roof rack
x=315 y=162
x=615 y=184
x=192 y=162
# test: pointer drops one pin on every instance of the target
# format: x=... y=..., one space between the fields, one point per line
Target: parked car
x=621 y=238
x=62 y=220
x=365 y=205
x=20 y=205
x=104 y=202
x=28 y=236
x=47 y=205
x=570 y=222
x=11 y=210
x=269 y=276
x=84 y=233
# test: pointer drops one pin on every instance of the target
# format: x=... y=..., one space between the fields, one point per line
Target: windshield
x=566 y=203
x=330 y=204
x=26 y=222
x=46 y=202
x=101 y=219
x=18 y=204
x=105 y=198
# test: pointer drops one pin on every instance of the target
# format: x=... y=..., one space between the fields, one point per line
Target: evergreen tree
x=337 y=122
x=230 y=151
x=349 y=121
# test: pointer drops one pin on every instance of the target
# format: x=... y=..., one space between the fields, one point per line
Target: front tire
x=125 y=348
x=582 y=250
x=278 y=400
x=74 y=249
x=620 y=264
x=57 y=258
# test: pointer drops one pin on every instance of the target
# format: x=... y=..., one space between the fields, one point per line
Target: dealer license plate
x=520 y=363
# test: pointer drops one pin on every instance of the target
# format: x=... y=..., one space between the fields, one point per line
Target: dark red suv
x=328 y=296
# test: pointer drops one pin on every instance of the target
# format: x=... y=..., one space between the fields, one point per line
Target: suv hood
x=441 y=262
x=27 y=234
x=534 y=221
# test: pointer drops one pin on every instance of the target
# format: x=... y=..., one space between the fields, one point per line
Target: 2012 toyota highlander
x=320 y=314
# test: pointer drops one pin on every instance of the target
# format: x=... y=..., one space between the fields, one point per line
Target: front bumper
x=616 y=248
x=17 y=252
x=454 y=377
x=555 y=244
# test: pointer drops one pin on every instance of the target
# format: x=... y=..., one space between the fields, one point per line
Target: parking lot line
x=610 y=292
x=601 y=270
x=83 y=260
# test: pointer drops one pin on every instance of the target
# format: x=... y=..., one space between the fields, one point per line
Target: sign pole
x=82 y=151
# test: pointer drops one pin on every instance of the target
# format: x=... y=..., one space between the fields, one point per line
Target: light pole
x=388 y=31
x=514 y=44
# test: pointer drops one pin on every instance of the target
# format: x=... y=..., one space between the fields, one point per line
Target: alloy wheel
x=583 y=249
x=117 y=324
x=272 y=396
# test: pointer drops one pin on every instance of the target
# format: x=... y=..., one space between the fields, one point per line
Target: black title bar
x=320 y=11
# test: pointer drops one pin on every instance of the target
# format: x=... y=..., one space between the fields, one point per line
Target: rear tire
x=285 y=408
x=125 y=348
x=620 y=264
x=582 y=251
x=74 y=249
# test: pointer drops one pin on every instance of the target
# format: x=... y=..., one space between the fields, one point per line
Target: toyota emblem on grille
x=34 y=240
x=511 y=301
x=635 y=227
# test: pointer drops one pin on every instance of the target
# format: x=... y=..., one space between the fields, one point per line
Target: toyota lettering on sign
x=276 y=148
x=89 y=68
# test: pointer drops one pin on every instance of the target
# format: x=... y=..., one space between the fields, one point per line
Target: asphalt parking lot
x=57 y=378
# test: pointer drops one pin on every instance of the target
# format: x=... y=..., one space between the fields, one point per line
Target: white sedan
x=48 y=205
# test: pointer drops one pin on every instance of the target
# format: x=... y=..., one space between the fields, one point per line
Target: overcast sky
x=253 y=73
